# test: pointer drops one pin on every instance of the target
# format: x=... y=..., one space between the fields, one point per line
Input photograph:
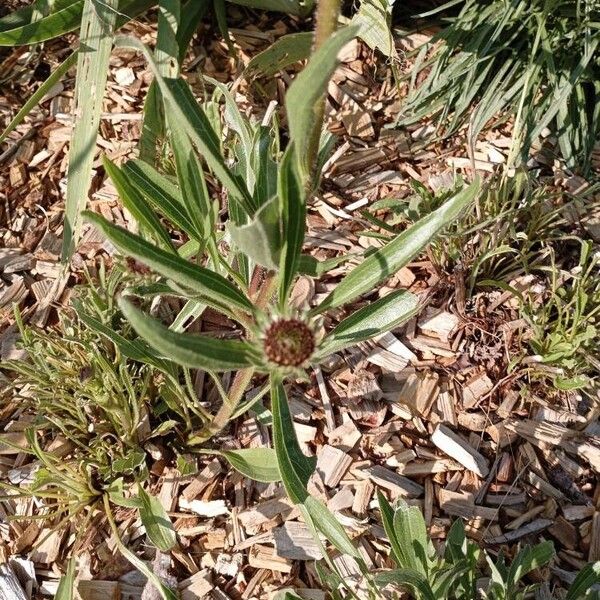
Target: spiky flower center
x=288 y=342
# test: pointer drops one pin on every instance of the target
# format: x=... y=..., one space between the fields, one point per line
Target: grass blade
x=97 y=29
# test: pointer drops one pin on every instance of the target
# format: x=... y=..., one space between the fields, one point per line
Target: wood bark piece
x=392 y=481
x=10 y=588
x=99 y=590
x=202 y=480
x=512 y=536
x=294 y=541
x=264 y=557
x=332 y=464
x=475 y=389
x=454 y=446
x=345 y=437
x=198 y=586
x=462 y=504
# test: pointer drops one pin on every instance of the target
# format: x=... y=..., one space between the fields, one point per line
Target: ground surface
x=528 y=466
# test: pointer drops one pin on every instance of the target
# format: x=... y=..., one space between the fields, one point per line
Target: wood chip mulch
x=429 y=412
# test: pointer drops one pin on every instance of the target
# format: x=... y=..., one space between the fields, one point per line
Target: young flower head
x=288 y=341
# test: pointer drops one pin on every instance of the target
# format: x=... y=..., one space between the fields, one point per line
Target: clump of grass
x=531 y=60
x=563 y=320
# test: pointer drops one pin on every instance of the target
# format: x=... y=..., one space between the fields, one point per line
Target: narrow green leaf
x=189 y=350
x=18 y=29
x=285 y=51
x=37 y=96
x=191 y=14
x=97 y=27
x=586 y=578
x=293 y=211
x=157 y=189
x=528 y=559
x=259 y=464
x=212 y=287
x=66 y=585
x=156 y=522
x=377 y=317
x=387 y=260
x=309 y=265
x=387 y=519
x=136 y=204
x=306 y=91
x=191 y=182
x=180 y=102
x=294 y=466
x=135 y=350
x=165 y=592
x=411 y=532
x=325 y=522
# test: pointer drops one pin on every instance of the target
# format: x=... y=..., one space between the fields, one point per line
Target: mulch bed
x=428 y=412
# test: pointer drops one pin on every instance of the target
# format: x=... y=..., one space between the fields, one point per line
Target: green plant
x=563 y=323
x=98 y=22
x=535 y=61
x=98 y=397
x=459 y=572
x=504 y=234
x=246 y=267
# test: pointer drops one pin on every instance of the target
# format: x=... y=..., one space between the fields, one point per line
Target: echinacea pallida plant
x=247 y=270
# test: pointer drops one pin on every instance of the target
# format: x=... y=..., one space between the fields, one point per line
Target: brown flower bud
x=288 y=342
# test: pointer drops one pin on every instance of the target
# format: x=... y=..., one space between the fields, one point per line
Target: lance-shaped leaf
x=16 y=29
x=259 y=464
x=212 y=287
x=98 y=24
x=293 y=212
x=411 y=531
x=285 y=51
x=181 y=104
x=156 y=522
x=386 y=261
x=160 y=192
x=586 y=578
x=191 y=182
x=189 y=350
x=260 y=239
x=377 y=317
x=165 y=592
x=325 y=522
x=294 y=466
x=307 y=90
x=136 y=204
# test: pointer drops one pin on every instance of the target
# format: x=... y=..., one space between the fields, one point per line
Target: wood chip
x=294 y=541
x=332 y=464
x=454 y=446
x=395 y=483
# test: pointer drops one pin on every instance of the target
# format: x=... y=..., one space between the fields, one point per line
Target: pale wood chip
x=454 y=446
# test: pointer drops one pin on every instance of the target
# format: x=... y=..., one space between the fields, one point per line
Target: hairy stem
x=326 y=17
x=242 y=378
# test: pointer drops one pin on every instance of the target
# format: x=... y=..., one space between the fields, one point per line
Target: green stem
x=242 y=378
x=326 y=17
